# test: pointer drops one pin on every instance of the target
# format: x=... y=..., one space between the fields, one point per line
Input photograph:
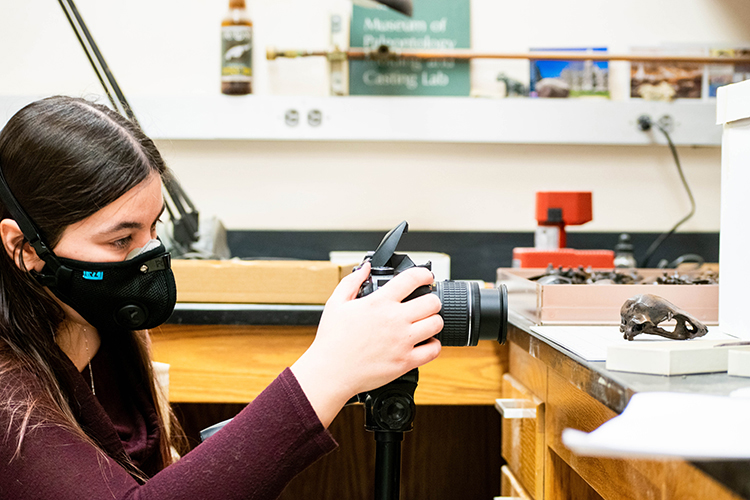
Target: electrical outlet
x=667 y=123
x=291 y=117
x=644 y=123
x=314 y=117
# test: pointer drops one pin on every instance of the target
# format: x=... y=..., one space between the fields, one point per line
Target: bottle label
x=236 y=53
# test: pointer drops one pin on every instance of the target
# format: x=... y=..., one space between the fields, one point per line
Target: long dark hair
x=64 y=159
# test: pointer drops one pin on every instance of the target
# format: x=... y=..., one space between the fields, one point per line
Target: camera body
x=379 y=276
x=469 y=313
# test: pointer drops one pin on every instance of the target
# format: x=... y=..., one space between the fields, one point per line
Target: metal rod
x=88 y=53
x=391 y=54
x=100 y=59
x=186 y=219
x=388 y=465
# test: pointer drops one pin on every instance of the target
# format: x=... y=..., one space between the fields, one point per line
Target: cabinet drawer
x=569 y=407
x=510 y=486
x=611 y=478
x=523 y=435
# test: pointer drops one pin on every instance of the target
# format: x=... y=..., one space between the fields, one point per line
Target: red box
x=574 y=205
x=566 y=257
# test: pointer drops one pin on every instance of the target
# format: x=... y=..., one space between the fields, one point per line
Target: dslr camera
x=469 y=313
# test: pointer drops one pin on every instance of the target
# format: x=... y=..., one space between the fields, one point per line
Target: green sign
x=437 y=25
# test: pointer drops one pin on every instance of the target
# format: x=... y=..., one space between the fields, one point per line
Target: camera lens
x=471 y=313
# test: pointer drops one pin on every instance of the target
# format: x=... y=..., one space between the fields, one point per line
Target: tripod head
x=390 y=408
x=389 y=412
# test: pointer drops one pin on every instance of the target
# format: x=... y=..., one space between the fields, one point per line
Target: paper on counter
x=591 y=342
x=671 y=425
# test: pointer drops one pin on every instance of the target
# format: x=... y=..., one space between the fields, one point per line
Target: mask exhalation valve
x=131 y=316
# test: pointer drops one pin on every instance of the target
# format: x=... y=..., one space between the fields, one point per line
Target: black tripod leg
x=388 y=465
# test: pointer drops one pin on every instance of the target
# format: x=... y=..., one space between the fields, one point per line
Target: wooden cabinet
x=453 y=451
x=554 y=384
x=234 y=363
x=510 y=486
x=569 y=407
x=523 y=435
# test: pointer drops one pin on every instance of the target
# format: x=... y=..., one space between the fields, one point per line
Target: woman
x=80 y=203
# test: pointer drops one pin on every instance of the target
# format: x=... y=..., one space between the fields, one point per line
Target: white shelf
x=417 y=119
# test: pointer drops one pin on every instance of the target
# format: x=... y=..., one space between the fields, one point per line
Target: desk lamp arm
x=184 y=220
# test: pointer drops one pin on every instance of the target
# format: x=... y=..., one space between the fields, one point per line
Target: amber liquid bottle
x=237 y=50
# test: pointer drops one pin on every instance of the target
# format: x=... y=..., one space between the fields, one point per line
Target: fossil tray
x=599 y=304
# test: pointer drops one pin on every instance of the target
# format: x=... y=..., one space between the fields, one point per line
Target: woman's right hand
x=362 y=344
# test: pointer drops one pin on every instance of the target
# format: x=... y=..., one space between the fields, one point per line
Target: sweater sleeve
x=253 y=457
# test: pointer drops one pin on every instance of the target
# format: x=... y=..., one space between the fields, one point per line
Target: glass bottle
x=624 y=252
x=236 y=50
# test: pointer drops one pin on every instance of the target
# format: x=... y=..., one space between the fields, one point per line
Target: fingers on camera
x=349 y=285
x=424 y=306
x=424 y=329
x=426 y=351
x=406 y=282
x=433 y=324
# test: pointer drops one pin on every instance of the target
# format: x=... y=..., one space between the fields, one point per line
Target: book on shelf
x=719 y=75
x=679 y=80
x=559 y=78
x=667 y=80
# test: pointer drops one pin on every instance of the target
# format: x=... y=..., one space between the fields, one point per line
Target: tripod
x=389 y=412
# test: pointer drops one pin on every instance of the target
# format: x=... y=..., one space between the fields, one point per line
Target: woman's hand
x=365 y=343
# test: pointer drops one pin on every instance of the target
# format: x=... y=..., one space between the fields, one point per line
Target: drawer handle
x=516 y=408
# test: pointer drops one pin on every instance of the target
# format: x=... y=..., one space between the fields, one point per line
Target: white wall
x=170 y=47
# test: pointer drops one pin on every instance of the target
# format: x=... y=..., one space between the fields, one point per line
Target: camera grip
x=418 y=292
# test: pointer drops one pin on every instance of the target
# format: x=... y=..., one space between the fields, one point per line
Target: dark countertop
x=245 y=314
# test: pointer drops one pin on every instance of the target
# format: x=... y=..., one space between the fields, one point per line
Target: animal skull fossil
x=643 y=313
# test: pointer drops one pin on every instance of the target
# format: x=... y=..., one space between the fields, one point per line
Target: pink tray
x=598 y=304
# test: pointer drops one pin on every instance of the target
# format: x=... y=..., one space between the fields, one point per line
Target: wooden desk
x=220 y=357
x=233 y=363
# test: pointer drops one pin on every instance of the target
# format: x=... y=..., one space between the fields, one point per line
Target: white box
x=733 y=112
x=739 y=362
x=670 y=357
x=441 y=262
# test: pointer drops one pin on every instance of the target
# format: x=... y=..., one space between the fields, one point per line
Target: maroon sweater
x=253 y=457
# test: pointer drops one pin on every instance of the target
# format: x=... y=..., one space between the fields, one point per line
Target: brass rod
x=385 y=55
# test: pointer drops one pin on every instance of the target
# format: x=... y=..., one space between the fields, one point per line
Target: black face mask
x=134 y=294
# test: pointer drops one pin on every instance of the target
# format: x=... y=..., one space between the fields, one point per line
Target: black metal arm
x=181 y=210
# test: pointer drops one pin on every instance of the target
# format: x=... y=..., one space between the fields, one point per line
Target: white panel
x=735 y=236
x=415 y=119
x=732 y=102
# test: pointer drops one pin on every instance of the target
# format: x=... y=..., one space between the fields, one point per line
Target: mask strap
x=31 y=232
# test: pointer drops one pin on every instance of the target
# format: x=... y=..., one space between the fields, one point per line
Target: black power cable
x=645 y=123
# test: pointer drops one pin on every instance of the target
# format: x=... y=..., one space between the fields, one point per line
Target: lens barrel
x=471 y=313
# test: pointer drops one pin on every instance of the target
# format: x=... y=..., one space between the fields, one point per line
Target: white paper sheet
x=671 y=425
x=591 y=342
